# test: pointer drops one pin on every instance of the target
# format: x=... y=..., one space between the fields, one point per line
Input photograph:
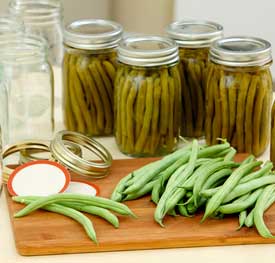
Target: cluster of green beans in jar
x=147 y=109
x=238 y=107
x=88 y=92
x=71 y=205
x=193 y=72
x=204 y=177
x=272 y=137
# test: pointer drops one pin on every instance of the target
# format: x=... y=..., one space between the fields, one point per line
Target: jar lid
x=194 y=33
x=241 y=51
x=80 y=165
x=92 y=34
x=147 y=51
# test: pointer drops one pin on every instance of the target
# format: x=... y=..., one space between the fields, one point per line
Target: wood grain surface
x=43 y=233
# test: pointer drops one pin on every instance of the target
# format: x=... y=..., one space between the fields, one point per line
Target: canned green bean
x=272 y=138
x=89 y=69
x=239 y=93
x=147 y=96
x=194 y=39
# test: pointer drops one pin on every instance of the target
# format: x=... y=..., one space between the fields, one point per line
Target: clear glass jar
x=239 y=93
x=28 y=80
x=147 y=96
x=89 y=68
x=10 y=26
x=43 y=18
x=194 y=39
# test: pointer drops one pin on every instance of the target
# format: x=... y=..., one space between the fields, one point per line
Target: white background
x=239 y=17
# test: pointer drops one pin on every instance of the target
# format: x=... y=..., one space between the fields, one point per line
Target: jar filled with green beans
x=147 y=96
x=89 y=69
x=272 y=138
x=239 y=93
x=194 y=39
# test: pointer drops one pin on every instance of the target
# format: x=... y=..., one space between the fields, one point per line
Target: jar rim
x=148 y=51
x=241 y=51
x=92 y=34
x=194 y=33
x=37 y=11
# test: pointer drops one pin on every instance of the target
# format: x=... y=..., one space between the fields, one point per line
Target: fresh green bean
x=227 y=187
x=249 y=186
x=215 y=177
x=143 y=191
x=69 y=212
x=172 y=196
x=260 y=207
x=88 y=200
x=117 y=192
x=98 y=211
x=239 y=206
x=230 y=156
x=249 y=221
x=208 y=171
x=242 y=217
x=266 y=169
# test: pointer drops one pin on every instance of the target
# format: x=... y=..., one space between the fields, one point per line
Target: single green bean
x=260 y=207
x=239 y=206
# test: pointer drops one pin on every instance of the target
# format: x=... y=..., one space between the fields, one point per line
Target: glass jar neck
x=21 y=50
x=10 y=27
x=37 y=12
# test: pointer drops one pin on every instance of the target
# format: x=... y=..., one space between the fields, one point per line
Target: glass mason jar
x=28 y=80
x=43 y=18
x=89 y=68
x=239 y=93
x=10 y=26
x=272 y=138
x=194 y=39
x=147 y=96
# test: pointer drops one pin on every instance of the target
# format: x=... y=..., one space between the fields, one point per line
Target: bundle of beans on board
x=200 y=177
x=71 y=205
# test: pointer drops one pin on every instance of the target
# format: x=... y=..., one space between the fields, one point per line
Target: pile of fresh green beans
x=88 y=92
x=147 y=109
x=238 y=107
x=200 y=177
x=71 y=205
x=193 y=72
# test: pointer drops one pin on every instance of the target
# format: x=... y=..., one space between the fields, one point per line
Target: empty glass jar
x=239 y=93
x=9 y=26
x=26 y=89
x=147 y=99
x=43 y=18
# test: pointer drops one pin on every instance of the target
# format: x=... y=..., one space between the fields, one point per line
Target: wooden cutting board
x=43 y=233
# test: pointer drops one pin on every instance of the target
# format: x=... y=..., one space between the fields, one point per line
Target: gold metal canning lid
x=29 y=155
x=14 y=148
x=65 y=148
x=77 y=164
